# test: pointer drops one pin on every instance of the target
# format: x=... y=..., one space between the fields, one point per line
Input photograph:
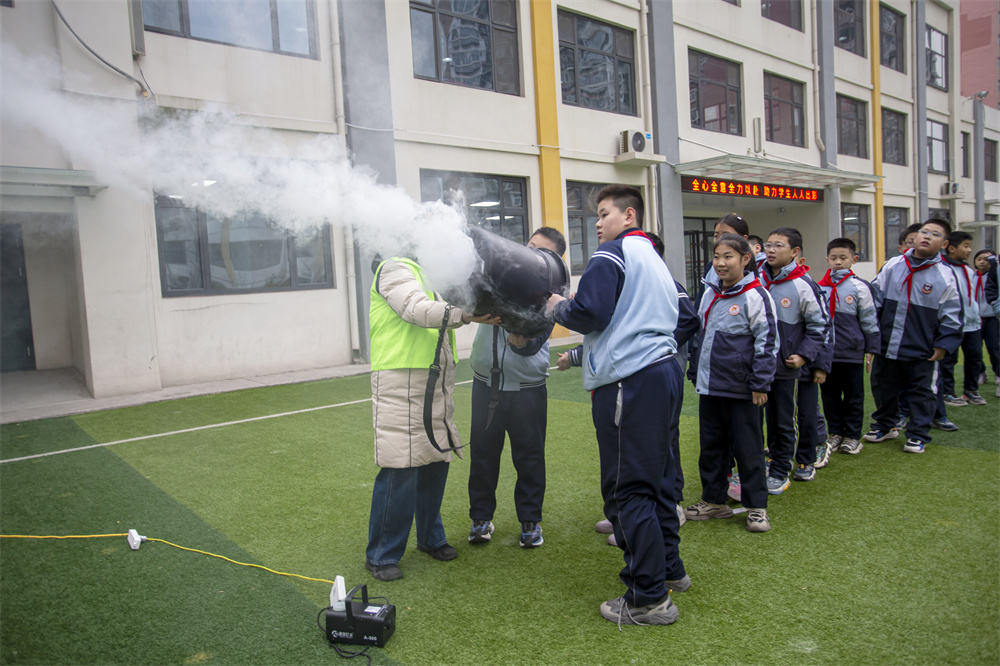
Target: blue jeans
x=398 y=496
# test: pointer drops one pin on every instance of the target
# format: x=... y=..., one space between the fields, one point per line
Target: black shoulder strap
x=432 y=377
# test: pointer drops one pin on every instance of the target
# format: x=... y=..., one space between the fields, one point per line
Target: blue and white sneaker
x=822 y=455
x=805 y=473
x=531 y=534
x=481 y=532
x=901 y=423
x=875 y=435
x=913 y=446
x=776 y=486
x=945 y=424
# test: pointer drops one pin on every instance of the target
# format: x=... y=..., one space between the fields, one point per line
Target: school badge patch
x=786 y=302
x=734 y=310
x=927 y=288
x=849 y=299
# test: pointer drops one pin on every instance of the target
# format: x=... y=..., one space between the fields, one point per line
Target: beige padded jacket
x=398 y=395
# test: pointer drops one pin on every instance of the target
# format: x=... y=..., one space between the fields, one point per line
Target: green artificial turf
x=885 y=558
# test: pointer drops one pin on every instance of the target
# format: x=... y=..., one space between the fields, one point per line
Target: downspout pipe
x=920 y=105
x=876 y=63
x=978 y=157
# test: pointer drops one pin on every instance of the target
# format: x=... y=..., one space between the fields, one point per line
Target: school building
x=836 y=117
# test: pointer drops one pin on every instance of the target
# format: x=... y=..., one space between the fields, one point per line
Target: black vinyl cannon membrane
x=514 y=283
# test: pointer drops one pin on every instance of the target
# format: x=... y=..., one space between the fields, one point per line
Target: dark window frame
x=7 y=3
x=858 y=228
x=943 y=143
x=185 y=30
x=859 y=118
x=798 y=137
x=849 y=17
x=580 y=221
x=205 y=263
x=894 y=221
x=932 y=54
x=770 y=9
x=990 y=160
x=966 y=149
x=895 y=38
x=696 y=81
x=893 y=132
x=622 y=55
x=496 y=26
x=482 y=216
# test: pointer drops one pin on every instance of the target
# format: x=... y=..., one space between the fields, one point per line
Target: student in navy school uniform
x=855 y=324
x=803 y=330
x=626 y=306
x=920 y=321
x=687 y=327
x=991 y=324
x=732 y=369
x=956 y=254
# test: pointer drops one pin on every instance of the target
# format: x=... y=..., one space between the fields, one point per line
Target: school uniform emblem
x=786 y=302
x=734 y=310
x=849 y=299
x=927 y=288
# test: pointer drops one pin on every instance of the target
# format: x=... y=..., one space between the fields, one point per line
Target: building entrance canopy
x=785 y=174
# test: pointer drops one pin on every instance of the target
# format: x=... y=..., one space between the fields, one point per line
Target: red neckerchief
x=637 y=232
x=908 y=281
x=826 y=281
x=968 y=282
x=798 y=271
x=718 y=295
x=979 y=283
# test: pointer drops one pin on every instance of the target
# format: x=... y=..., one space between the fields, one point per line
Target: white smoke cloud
x=215 y=161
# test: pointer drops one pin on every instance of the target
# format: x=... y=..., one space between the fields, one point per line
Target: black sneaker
x=481 y=532
x=531 y=534
x=444 y=553
x=384 y=571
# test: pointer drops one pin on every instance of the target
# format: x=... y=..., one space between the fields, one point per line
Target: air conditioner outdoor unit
x=952 y=190
x=635 y=148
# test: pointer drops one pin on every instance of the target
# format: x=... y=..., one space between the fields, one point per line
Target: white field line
x=204 y=427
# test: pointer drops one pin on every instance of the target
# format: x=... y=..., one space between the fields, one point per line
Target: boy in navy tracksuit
x=920 y=320
x=626 y=307
x=732 y=368
x=803 y=330
x=957 y=252
x=687 y=328
x=855 y=326
x=511 y=403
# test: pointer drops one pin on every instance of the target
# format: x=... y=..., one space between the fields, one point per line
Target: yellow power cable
x=192 y=550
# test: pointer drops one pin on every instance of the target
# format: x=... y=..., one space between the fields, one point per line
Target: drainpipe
x=876 y=62
x=920 y=106
x=817 y=116
x=652 y=198
x=978 y=157
x=349 y=258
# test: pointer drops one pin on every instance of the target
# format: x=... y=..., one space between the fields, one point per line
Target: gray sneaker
x=682 y=585
x=704 y=510
x=851 y=446
x=604 y=526
x=973 y=398
x=661 y=612
x=757 y=520
x=833 y=441
x=776 y=486
x=955 y=401
x=823 y=455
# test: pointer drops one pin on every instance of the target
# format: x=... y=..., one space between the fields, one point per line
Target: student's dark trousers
x=809 y=422
x=844 y=399
x=522 y=415
x=972 y=350
x=991 y=336
x=632 y=418
x=731 y=426
x=780 y=413
x=919 y=378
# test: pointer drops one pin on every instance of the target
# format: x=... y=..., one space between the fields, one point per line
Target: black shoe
x=384 y=571
x=444 y=553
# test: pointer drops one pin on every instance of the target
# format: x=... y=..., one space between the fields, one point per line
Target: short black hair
x=657 y=242
x=845 y=243
x=792 y=234
x=956 y=238
x=912 y=229
x=736 y=222
x=624 y=196
x=553 y=235
x=755 y=239
x=944 y=224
